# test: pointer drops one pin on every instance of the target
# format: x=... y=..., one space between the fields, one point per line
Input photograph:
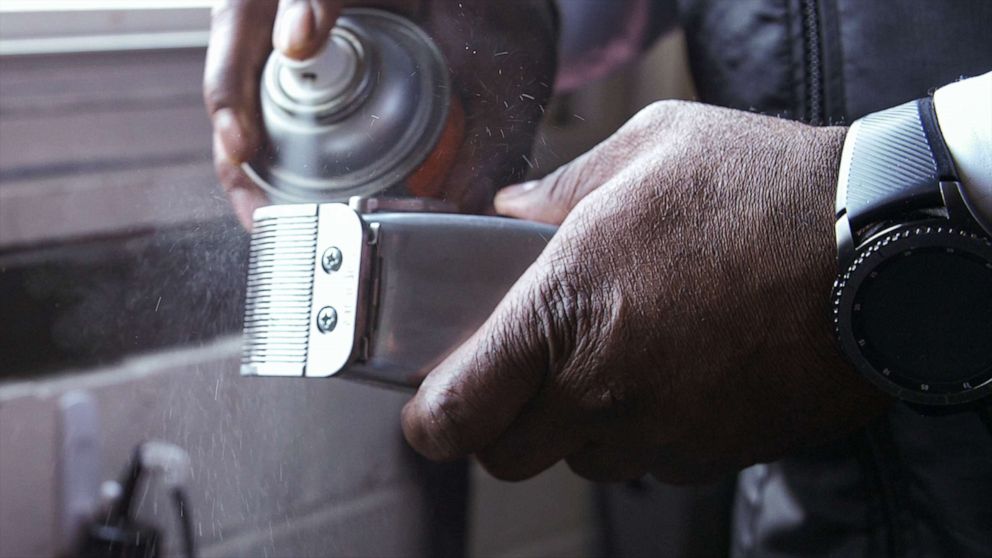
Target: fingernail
x=517 y=190
x=237 y=144
x=294 y=29
x=512 y=200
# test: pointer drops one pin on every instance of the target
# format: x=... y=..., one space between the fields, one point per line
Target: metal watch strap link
x=897 y=162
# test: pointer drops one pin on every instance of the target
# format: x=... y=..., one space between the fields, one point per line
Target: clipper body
x=374 y=297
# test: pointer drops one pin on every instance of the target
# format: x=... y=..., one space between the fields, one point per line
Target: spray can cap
x=325 y=77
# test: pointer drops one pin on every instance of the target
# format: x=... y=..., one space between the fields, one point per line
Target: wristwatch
x=912 y=303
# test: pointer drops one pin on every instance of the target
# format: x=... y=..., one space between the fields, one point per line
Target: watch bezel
x=874 y=252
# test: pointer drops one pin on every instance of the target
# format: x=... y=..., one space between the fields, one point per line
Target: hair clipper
x=341 y=290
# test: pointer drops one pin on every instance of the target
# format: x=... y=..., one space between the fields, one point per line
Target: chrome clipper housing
x=380 y=297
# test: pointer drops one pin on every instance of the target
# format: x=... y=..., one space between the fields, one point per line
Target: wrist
x=826 y=150
x=829 y=146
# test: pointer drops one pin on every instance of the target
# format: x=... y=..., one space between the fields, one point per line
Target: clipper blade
x=280 y=292
x=300 y=312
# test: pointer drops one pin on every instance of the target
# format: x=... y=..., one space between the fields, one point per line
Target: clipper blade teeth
x=280 y=292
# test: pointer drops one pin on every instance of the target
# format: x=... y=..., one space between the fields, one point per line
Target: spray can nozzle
x=331 y=74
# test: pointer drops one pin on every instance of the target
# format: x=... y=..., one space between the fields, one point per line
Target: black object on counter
x=118 y=535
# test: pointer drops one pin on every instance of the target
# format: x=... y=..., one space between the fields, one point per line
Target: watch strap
x=896 y=165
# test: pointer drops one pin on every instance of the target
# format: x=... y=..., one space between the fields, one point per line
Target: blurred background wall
x=121 y=272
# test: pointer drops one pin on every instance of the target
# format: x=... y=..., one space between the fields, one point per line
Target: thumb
x=302 y=26
x=550 y=199
x=471 y=398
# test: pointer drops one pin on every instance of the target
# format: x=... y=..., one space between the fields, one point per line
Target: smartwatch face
x=921 y=317
x=929 y=316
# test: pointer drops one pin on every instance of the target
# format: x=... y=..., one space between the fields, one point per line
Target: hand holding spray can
x=372 y=114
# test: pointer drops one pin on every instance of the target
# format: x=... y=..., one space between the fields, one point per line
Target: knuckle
x=661 y=109
x=215 y=95
x=220 y=89
x=511 y=347
x=217 y=90
x=557 y=312
x=605 y=403
x=584 y=324
x=568 y=306
x=642 y=130
x=224 y=95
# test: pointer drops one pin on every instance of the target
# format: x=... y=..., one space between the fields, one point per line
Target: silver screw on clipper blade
x=332 y=259
x=327 y=319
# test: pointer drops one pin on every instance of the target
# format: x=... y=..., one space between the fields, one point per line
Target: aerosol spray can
x=372 y=114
